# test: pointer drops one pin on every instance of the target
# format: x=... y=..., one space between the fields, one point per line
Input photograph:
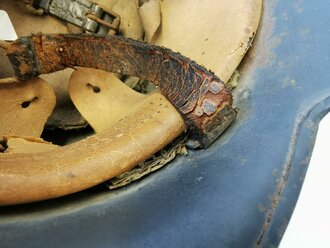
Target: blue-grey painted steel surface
x=238 y=193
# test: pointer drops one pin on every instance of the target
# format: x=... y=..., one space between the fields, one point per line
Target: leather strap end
x=23 y=59
x=213 y=128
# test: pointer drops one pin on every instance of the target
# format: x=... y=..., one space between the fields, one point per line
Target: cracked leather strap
x=199 y=95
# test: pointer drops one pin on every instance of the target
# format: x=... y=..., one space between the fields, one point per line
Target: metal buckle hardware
x=89 y=16
x=109 y=23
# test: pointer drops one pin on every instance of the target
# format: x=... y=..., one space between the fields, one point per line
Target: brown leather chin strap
x=197 y=94
x=194 y=92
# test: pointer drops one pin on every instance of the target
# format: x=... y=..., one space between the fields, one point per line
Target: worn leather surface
x=83 y=164
x=25 y=107
x=25 y=23
x=101 y=97
x=27 y=145
x=198 y=94
x=198 y=113
x=65 y=114
x=164 y=24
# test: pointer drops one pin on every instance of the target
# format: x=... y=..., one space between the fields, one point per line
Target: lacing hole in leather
x=26 y=104
x=96 y=89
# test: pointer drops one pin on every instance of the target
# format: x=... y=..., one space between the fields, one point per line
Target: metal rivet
x=209 y=107
x=215 y=87
x=198 y=111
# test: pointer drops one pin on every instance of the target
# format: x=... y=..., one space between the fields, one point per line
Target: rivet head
x=198 y=111
x=215 y=87
x=209 y=107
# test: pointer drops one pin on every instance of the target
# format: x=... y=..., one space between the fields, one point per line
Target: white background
x=7 y=31
x=310 y=223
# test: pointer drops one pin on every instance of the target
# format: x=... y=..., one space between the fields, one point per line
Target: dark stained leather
x=197 y=93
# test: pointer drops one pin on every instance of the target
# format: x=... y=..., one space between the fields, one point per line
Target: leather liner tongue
x=25 y=107
x=101 y=98
x=27 y=145
x=65 y=115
